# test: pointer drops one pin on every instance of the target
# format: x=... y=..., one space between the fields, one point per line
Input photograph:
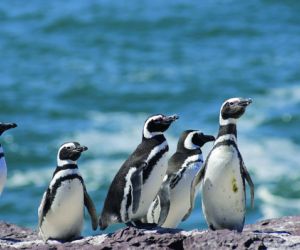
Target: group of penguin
x=149 y=189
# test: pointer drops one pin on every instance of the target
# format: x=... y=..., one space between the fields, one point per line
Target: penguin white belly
x=151 y=187
x=65 y=217
x=180 y=198
x=223 y=196
x=3 y=173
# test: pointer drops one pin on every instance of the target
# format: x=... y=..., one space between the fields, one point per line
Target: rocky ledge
x=283 y=233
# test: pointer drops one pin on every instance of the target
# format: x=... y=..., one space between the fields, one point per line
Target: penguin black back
x=123 y=198
x=112 y=203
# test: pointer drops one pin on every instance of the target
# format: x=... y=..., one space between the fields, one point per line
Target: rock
x=283 y=233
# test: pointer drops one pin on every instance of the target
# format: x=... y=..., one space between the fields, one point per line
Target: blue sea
x=93 y=71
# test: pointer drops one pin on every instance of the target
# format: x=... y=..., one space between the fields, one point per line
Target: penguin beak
x=170 y=119
x=81 y=149
x=6 y=126
x=245 y=102
x=208 y=138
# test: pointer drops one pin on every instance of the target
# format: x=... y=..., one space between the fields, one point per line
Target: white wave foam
x=36 y=177
x=270 y=158
x=277 y=102
x=94 y=172
x=285 y=96
x=276 y=206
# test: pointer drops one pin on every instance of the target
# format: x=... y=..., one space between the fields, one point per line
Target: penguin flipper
x=187 y=215
x=136 y=182
x=192 y=202
x=198 y=178
x=41 y=209
x=91 y=208
x=164 y=198
x=192 y=199
x=247 y=176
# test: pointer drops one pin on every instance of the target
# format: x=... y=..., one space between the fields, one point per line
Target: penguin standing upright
x=3 y=168
x=62 y=206
x=137 y=182
x=224 y=173
x=174 y=202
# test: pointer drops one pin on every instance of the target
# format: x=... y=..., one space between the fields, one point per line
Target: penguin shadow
x=154 y=227
x=269 y=230
x=12 y=240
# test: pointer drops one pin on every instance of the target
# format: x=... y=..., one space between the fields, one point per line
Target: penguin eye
x=231 y=103
x=68 y=147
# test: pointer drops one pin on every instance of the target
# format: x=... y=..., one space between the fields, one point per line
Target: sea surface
x=93 y=71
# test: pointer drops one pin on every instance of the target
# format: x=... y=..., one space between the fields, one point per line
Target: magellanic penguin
x=137 y=182
x=62 y=206
x=224 y=173
x=174 y=203
x=3 y=168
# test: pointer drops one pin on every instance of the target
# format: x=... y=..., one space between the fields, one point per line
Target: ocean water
x=93 y=71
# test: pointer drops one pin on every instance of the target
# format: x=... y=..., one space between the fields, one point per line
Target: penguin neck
x=65 y=166
x=184 y=150
x=61 y=163
x=228 y=129
x=159 y=137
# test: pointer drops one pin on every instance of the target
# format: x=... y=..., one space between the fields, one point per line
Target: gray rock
x=283 y=233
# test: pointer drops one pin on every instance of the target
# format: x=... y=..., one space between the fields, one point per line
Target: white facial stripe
x=188 y=143
x=63 y=173
x=224 y=122
x=128 y=184
x=149 y=135
x=157 y=149
x=69 y=144
x=146 y=132
x=61 y=163
x=234 y=99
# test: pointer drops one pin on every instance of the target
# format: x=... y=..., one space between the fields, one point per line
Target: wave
x=275 y=206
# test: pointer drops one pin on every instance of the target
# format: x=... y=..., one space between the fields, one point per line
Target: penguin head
x=70 y=152
x=193 y=139
x=157 y=124
x=232 y=109
x=6 y=126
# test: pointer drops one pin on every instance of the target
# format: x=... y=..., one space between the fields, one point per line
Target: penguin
x=138 y=180
x=62 y=207
x=3 y=168
x=173 y=202
x=224 y=173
